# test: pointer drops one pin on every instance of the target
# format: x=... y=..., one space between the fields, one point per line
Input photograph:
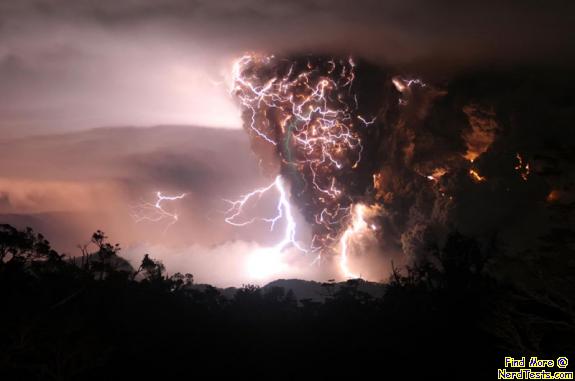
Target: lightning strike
x=367 y=122
x=308 y=112
x=404 y=86
x=283 y=210
x=311 y=110
x=156 y=212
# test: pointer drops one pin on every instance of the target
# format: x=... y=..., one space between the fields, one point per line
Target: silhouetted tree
x=151 y=269
x=102 y=262
x=181 y=281
x=62 y=321
x=24 y=247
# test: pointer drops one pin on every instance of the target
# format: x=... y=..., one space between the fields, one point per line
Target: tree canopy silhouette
x=94 y=317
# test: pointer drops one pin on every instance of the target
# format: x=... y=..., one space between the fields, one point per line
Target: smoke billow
x=483 y=154
x=307 y=112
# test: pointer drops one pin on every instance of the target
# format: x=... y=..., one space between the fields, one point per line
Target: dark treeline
x=96 y=318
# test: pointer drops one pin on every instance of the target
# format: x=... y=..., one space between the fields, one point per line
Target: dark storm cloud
x=82 y=64
x=530 y=113
x=487 y=154
x=393 y=30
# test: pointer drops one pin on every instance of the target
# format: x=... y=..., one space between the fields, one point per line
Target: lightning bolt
x=311 y=108
x=155 y=212
x=313 y=114
x=404 y=86
x=283 y=210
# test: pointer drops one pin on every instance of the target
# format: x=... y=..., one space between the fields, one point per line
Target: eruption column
x=305 y=111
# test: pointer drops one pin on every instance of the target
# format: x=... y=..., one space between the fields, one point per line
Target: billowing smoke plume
x=424 y=159
x=308 y=112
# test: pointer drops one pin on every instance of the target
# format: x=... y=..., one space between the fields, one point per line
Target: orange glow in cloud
x=482 y=133
x=40 y=196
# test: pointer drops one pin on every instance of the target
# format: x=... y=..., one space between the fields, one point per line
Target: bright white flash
x=356 y=230
x=268 y=261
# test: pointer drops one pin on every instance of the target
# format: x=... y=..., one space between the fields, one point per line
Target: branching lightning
x=404 y=86
x=306 y=112
x=156 y=212
x=309 y=112
x=283 y=211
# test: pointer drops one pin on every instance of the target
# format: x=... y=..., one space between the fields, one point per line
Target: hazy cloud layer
x=103 y=173
x=71 y=64
x=69 y=185
x=394 y=30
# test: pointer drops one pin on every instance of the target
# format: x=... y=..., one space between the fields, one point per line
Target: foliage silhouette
x=92 y=318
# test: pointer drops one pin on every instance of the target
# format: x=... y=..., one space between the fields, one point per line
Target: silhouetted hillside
x=317 y=291
x=305 y=289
